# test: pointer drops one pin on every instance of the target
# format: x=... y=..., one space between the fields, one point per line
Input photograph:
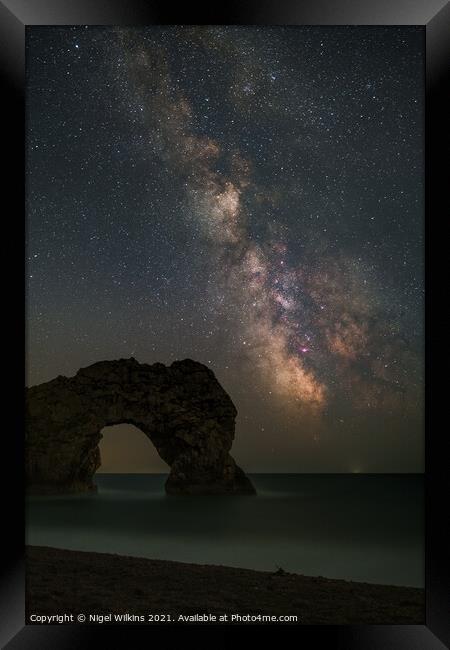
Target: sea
x=362 y=527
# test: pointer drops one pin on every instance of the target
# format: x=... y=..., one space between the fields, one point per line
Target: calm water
x=358 y=527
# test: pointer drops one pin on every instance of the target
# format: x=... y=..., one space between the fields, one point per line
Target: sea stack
x=182 y=409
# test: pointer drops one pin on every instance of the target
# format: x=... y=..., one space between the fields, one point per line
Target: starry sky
x=248 y=197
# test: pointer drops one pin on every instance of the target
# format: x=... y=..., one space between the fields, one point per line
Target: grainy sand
x=63 y=582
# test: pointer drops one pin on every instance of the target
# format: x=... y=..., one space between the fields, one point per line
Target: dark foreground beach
x=74 y=582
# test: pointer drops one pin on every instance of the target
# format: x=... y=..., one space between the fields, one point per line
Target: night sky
x=248 y=197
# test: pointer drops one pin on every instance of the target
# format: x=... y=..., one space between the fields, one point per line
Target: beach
x=63 y=582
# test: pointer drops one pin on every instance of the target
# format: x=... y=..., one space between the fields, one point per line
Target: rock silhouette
x=182 y=409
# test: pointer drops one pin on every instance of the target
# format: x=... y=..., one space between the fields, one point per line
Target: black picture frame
x=15 y=16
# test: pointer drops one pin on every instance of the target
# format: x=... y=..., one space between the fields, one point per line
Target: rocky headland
x=183 y=410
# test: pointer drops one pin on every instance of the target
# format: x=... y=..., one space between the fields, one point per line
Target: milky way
x=249 y=197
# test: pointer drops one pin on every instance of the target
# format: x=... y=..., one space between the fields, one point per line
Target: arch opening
x=125 y=449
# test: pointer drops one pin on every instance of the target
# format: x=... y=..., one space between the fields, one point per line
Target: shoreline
x=60 y=581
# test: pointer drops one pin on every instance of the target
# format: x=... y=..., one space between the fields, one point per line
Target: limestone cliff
x=182 y=408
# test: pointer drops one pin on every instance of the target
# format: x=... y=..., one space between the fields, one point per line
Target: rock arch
x=182 y=409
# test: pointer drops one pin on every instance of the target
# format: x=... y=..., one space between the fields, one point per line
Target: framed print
x=227 y=231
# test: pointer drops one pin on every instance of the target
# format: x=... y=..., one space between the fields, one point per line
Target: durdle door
x=182 y=409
